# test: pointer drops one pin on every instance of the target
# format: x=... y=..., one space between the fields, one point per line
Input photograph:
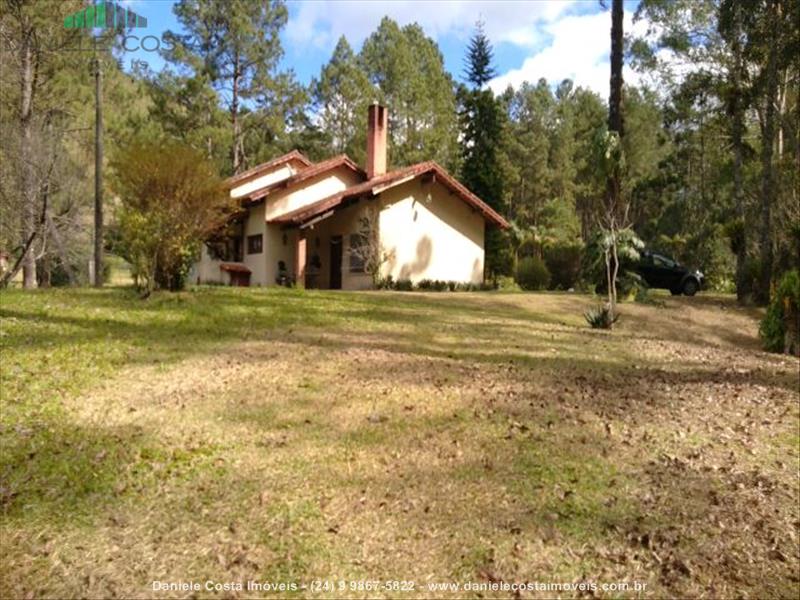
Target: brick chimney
x=377 y=130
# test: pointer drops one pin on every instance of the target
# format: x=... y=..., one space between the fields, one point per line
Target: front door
x=336 y=262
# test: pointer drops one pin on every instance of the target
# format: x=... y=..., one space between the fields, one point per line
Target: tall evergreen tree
x=234 y=46
x=482 y=129
x=478 y=62
x=407 y=71
x=341 y=95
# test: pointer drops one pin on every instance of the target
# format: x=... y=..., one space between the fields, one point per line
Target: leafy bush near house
x=436 y=285
x=431 y=285
x=507 y=284
x=563 y=260
x=384 y=283
x=172 y=199
x=532 y=274
x=780 y=327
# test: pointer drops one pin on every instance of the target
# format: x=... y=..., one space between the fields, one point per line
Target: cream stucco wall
x=269 y=177
x=276 y=250
x=430 y=233
x=310 y=191
x=257 y=263
x=207 y=270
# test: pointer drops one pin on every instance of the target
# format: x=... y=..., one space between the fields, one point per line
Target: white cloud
x=560 y=41
x=322 y=23
x=578 y=50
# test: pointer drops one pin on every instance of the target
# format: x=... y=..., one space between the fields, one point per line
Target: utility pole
x=98 y=175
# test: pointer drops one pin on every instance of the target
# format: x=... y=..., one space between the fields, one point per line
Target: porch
x=326 y=252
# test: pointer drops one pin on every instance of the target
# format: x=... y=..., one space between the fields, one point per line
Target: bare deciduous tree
x=369 y=251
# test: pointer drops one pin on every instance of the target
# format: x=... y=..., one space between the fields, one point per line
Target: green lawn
x=286 y=436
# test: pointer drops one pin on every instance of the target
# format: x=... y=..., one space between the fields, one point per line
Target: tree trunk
x=615 y=120
x=236 y=156
x=98 y=177
x=737 y=135
x=767 y=166
x=615 y=124
x=28 y=191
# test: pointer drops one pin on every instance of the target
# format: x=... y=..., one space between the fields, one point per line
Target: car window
x=662 y=261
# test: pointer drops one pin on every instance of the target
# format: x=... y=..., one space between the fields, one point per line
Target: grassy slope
x=249 y=434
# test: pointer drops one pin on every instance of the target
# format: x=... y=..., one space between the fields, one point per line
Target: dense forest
x=711 y=148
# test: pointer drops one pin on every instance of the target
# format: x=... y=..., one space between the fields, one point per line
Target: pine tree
x=478 y=62
x=234 y=45
x=482 y=129
x=407 y=71
x=341 y=95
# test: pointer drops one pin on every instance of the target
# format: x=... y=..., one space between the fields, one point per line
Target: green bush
x=564 y=263
x=431 y=285
x=532 y=274
x=385 y=283
x=507 y=284
x=630 y=285
x=435 y=285
x=171 y=199
x=780 y=327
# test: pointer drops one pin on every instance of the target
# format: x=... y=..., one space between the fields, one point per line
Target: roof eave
x=237 y=179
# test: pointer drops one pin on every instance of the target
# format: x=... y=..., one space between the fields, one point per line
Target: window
x=359 y=246
x=662 y=261
x=255 y=244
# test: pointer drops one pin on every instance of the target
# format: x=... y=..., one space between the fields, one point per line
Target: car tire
x=690 y=287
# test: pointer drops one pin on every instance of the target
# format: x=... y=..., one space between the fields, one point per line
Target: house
x=334 y=225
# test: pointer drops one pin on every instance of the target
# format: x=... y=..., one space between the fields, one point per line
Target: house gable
x=300 y=194
x=427 y=171
x=267 y=174
x=428 y=232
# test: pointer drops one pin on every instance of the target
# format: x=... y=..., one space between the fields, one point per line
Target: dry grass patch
x=286 y=436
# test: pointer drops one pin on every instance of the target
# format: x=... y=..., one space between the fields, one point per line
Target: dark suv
x=662 y=272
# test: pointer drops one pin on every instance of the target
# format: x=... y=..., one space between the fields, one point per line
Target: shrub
x=564 y=263
x=630 y=284
x=780 y=327
x=431 y=285
x=171 y=200
x=600 y=317
x=507 y=284
x=532 y=274
x=436 y=285
x=385 y=283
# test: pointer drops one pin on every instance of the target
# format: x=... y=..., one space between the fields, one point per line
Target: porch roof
x=376 y=185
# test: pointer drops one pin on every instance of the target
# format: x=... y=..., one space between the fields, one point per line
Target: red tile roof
x=315 y=169
x=293 y=155
x=388 y=180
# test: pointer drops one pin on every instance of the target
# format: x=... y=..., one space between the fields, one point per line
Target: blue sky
x=532 y=38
